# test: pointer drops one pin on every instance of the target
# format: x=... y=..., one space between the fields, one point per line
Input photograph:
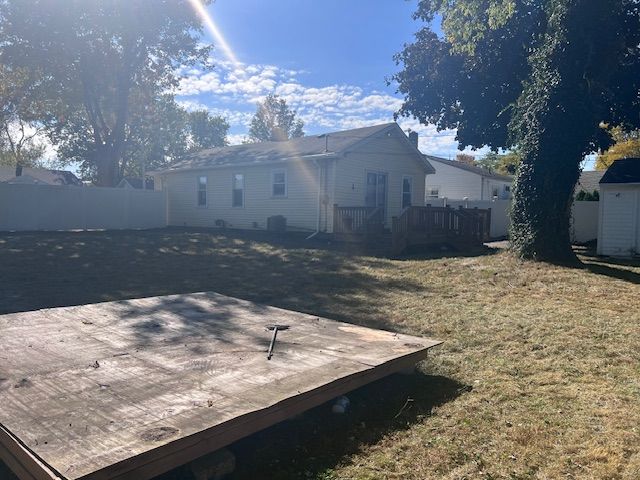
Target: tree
x=466 y=158
x=98 y=55
x=585 y=196
x=504 y=164
x=21 y=105
x=274 y=121
x=537 y=75
x=627 y=145
x=159 y=132
x=207 y=131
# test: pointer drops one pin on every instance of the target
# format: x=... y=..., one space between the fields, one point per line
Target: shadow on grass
x=627 y=269
x=42 y=270
x=311 y=445
x=56 y=269
x=436 y=252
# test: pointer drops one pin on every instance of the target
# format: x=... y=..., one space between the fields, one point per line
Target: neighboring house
x=619 y=222
x=301 y=179
x=589 y=182
x=457 y=180
x=135 y=183
x=38 y=176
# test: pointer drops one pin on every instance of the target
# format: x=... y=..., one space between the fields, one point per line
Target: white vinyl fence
x=584 y=221
x=53 y=207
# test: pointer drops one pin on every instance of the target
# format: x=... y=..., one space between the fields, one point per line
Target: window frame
x=428 y=191
x=199 y=191
x=233 y=190
x=403 y=193
x=274 y=172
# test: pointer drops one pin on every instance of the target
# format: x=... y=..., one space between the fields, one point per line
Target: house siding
x=390 y=155
x=300 y=206
x=456 y=183
x=619 y=220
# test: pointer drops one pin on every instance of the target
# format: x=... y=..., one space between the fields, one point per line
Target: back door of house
x=376 y=195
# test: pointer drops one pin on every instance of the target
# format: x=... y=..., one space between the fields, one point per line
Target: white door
x=619 y=222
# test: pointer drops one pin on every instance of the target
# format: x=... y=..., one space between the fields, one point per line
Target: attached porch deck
x=416 y=225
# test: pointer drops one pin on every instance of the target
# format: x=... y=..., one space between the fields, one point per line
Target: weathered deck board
x=130 y=389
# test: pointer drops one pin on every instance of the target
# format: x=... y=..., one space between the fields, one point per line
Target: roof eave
x=319 y=156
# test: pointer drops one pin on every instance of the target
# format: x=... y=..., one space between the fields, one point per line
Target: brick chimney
x=413 y=138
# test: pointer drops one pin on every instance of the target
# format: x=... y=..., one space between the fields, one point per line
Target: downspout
x=315 y=162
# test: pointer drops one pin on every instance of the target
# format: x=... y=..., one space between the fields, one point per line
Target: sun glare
x=213 y=29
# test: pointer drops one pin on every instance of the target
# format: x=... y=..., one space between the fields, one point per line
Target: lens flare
x=213 y=29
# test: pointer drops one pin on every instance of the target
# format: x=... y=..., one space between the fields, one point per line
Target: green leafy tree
x=627 y=145
x=537 y=75
x=504 y=164
x=585 y=196
x=207 y=131
x=274 y=121
x=98 y=55
x=22 y=106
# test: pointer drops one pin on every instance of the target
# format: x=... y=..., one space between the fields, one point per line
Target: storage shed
x=619 y=225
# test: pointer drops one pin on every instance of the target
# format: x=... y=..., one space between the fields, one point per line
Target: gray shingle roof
x=625 y=170
x=589 y=181
x=41 y=175
x=333 y=143
x=470 y=168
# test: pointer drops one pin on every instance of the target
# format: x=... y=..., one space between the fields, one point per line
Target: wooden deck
x=131 y=389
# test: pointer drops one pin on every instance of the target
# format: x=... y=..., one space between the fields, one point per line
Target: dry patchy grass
x=539 y=376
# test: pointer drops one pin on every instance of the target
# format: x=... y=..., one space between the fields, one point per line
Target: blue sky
x=328 y=59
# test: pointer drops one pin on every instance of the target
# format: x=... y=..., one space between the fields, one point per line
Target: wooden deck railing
x=357 y=220
x=439 y=224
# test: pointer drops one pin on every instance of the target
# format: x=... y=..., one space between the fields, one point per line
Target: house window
x=507 y=188
x=237 y=198
x=433 y=192
x=279 y=183
x=494 y=192
x=407 y=189
x=202 y=191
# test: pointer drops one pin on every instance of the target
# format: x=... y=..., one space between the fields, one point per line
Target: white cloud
x=232 y=90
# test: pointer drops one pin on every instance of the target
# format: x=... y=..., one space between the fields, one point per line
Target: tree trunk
x=543 y=196
x=106 y=161
x=553 y=125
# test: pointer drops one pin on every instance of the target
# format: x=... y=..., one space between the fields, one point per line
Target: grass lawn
x=539 y=376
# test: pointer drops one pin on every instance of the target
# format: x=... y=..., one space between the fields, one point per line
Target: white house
x=38 y=176
x=458 y=180
x=373 y=168
x=619 y=223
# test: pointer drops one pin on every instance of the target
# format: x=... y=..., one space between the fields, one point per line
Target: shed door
x=619 y=222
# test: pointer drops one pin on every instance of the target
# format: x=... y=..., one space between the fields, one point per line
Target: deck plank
x=130 y=389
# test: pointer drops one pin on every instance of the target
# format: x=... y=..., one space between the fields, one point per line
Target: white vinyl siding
x=619 y=220
x=456 y=183
x=386 y=154
x=300 y=207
